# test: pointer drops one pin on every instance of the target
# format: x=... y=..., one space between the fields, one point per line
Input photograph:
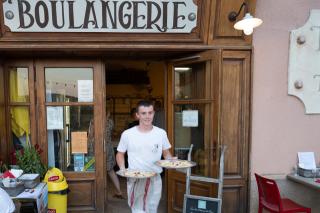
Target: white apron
x=144 y=194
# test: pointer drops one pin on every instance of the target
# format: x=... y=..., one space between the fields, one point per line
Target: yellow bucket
x=57 y=192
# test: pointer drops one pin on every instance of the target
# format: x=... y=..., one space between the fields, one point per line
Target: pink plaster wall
x=280 y=127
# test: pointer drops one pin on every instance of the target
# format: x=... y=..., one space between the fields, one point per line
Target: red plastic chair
x=270 y=199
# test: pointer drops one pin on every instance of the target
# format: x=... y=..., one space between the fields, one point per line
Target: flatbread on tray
x=175 y=164
x=135 y=174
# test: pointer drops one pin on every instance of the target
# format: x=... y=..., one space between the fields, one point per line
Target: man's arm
x=120 y=160
x=167 y=154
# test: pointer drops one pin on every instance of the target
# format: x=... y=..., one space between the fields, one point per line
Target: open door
x=193 y=104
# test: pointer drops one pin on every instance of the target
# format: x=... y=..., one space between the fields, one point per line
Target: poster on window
x=190 y=118
x=54 y=118
x=85 y=90
x=79 y=142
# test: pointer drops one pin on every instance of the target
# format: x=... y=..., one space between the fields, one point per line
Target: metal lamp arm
x=233 y=15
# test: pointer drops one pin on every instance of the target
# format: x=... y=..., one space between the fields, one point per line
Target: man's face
x=145 y=115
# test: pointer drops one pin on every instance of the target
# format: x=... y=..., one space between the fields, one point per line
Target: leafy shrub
x=28 y=159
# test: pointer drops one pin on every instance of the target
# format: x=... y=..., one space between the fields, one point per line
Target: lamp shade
x=247 y=24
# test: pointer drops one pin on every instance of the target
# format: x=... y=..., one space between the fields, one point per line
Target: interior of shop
x=128 y=82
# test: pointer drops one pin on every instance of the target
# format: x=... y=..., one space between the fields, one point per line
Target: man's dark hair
x=144 y=103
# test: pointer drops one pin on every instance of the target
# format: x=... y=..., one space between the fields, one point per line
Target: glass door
x=192 y=113
x=69 y=97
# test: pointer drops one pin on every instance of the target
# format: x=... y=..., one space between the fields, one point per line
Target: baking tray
x=176 y=164
x=135 y=174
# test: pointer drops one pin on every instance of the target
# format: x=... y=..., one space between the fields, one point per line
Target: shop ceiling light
x=182 y=69
x=247 y=23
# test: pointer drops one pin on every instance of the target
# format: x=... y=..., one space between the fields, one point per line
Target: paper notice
x=190 y=118
x=85 y=90
x=54 y=118
x=79 y=142
x=307 y=160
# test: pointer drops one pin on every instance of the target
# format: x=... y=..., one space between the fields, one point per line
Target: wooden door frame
x=212 y=87
x=98 y=104
x=31 y=104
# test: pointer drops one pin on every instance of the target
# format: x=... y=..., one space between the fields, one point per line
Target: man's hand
x=167 y=155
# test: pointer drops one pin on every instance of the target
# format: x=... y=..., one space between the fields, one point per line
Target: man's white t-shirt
x=144 y=148
x=6 y=204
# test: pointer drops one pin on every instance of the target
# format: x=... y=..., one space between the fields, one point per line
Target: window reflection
x=20 y=127
x=189 y=81
x=71 y=138
x=18 y=84
x=69 y=84
x=190 y=129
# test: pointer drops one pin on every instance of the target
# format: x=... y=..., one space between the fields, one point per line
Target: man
x=145 y=144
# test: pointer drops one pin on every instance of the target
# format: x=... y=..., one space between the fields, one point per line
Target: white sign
x=54 y=118
x=307 y=160
x=190 y=118
x=117 y=16
x=85 y=90
x=304 y=63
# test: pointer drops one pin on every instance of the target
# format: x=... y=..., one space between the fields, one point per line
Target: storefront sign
x=304 y=63
x=123 y=16
x=194 y=204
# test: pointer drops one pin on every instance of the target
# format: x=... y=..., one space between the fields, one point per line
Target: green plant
x=28 y=159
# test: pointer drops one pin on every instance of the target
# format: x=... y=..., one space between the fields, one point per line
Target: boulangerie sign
x=119 y=16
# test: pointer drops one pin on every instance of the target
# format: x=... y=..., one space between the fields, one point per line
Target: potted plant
x=28 y=159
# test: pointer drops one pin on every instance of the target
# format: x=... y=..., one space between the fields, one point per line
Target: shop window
x=20 y=127
x=70 y=130
x=69 y=84
x=19 y=109
x=189 y=81
x=189 y=126
x=19 y=87
x=70 y=134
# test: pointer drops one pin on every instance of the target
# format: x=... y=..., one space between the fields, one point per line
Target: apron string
x=132 y=194
x=146 y=193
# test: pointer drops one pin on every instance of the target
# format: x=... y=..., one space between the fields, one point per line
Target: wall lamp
x=247 y=23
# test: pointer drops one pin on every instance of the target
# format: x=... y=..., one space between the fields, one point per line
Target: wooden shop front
x=60 y=64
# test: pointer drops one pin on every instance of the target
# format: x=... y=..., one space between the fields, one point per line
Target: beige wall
x=280 y=127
